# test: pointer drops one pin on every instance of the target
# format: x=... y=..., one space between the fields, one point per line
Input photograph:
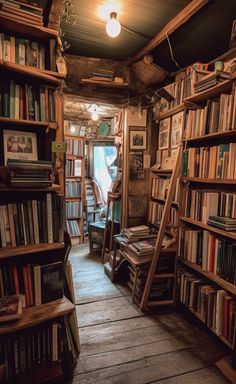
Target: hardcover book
x=51 y=282
x=10 y=308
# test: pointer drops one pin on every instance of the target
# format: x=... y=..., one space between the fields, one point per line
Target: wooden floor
x=121 y=344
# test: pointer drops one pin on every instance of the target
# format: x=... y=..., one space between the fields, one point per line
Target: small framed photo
x=138 y=139
x=177 y=129
x=20 y=145
x=164 y=133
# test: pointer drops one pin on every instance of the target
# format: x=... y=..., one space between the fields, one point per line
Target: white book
x=37 y=285
x=219 y=311
x=6 y=225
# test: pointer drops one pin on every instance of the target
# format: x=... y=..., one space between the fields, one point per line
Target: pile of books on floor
x=29 y=173
x=222 y=222
x=211 y=80
x=25 y=11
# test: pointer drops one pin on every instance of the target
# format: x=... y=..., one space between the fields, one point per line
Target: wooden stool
x=111 y=199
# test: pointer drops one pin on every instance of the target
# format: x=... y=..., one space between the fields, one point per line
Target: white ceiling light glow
x=113 y=26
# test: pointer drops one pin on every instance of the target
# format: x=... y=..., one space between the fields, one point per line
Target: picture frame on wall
x=19 y=145
x=138 y=139
x=136 y=166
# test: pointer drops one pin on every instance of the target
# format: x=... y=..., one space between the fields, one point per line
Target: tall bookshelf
x=207 y=265
x=75 y=187
x=44 y=342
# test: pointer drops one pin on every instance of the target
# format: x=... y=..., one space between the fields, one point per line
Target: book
x=10 y=308
x=51 y=282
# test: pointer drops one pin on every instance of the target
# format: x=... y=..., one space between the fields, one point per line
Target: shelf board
x=53 y=188
x=172 y=112
x=39 y=314
x=209 y=181
x=73 y=157
x=73 y=177
x=9 y=120
x=224 y=86
x=74 y=198
x=30 y=71
x=26 y=249
x=221 y=232
x=73 y=218
x=175 y=203
x=210 y=136
x=27 y=30
x=108 y=84
x=211 y=276
x=75 y=137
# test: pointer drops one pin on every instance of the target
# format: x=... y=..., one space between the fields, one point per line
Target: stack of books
x=222 y=222
x=29 y=174
x=102 y=74
x=211 y=80
x=25 y=12
x=136 y=233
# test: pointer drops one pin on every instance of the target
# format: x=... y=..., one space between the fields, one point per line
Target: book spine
x=49 y=218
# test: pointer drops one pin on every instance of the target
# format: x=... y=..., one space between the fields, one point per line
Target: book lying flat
x=10 y=308
x=225 y=227
x=223 y=219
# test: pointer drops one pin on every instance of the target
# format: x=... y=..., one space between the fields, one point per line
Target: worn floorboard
x=120 y=344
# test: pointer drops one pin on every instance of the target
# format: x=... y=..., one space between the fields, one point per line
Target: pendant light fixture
x=94 y=114
x=113 y=26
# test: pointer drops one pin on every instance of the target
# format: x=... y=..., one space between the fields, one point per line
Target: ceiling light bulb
x=113 y=26
x=72 y=128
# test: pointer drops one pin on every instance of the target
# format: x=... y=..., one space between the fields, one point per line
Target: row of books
x=25 y=12
x=31 y=222
x=75 y=147
x=213 y=254
x=201 y=205
x=26 y=101
x=160 y=188
x=216 y=116
x=166 y=158
x=73 y=188
x=194 y=74
x=73 y=167
x=37 y=284
x=29 y=174
x=73 y=209
x=156 y=211
x=22 y=51
x=73 y=227
x=217 y=162
x=102 y=74
x=210 y=80
x=36 y=348
x=211 y=304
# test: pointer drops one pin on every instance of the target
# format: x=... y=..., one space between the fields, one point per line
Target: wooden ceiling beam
x=184 y=15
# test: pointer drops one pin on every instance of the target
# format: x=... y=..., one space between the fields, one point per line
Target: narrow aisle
x=121 y=344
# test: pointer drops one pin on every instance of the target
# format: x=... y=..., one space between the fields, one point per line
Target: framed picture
x=20 y=145
x=138 y=139
x=136 y=165
x=177 y=129
x=164 y=133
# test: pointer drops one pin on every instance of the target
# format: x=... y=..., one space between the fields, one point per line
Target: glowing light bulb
x=95 y=115
x=113 y=26
x=72 y=128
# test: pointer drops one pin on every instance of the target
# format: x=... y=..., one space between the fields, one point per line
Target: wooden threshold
x=39 y=314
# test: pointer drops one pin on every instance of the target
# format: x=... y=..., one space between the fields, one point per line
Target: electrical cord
x=171 y=52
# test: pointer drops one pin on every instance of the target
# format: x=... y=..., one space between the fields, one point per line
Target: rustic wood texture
x=121 y=344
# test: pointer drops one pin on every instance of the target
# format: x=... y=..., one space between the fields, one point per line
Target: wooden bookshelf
x=208 y=181
x=53 y=188
x=21 y=122
x=31 y=72
x=108 y=84
x=211 y=276
x=221 y=232
x=172 y=112
x=26 y=249
x=162 y=201
x=201 y=97
x=39 y=314
x=31 y=31
x=211 y=136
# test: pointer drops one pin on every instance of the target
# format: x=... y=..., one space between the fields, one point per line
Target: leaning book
x=10 y=308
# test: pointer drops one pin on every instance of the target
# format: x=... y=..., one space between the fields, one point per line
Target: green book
x=12 y=99
x=6 y=99
x=185 y=164
x=31 y=110
x=222 y=149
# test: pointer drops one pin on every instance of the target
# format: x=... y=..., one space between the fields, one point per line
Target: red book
x=16 y=280
x=31 y=297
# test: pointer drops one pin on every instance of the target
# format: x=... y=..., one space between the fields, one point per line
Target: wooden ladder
x=145 y=303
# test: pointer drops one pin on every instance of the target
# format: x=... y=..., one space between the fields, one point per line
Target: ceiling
x=205 y=36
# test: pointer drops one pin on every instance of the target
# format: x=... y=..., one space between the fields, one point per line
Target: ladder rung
x=164 y=275
x=159 y=303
